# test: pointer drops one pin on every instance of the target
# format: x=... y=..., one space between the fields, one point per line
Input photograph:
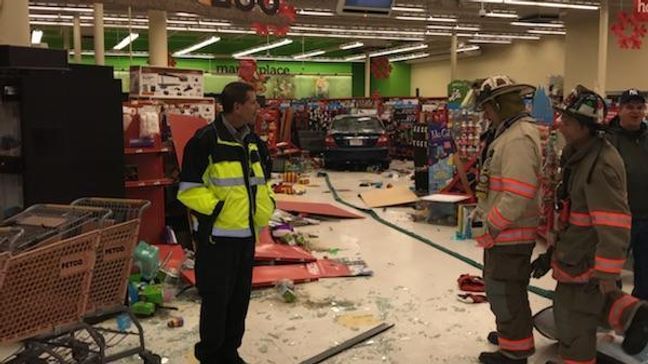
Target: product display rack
x=162 y=91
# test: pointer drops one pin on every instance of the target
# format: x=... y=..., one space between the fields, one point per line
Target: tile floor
x=413 y=286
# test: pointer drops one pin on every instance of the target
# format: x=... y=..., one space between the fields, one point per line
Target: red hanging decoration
x=381 y=68
x=629 y=22
x=260 y=29
x=287 y=14
x=248 y=73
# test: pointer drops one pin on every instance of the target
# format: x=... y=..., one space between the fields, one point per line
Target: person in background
x=263 y=146
x=507 y=191
x=593 y=236
x=629 y=134
x=224 y=185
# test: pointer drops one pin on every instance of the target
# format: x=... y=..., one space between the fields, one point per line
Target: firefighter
x=594 y=230
x=508 y=205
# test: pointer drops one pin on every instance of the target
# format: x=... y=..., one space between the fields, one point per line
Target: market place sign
x=264 y=70
x=268 y=7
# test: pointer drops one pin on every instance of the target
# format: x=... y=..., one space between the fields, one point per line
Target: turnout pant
x=224 y=281
x=506 y=274
x=579 y=309
x=639 y=245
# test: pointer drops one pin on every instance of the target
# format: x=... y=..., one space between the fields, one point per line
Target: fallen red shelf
x=314 y=208
x=269 y=275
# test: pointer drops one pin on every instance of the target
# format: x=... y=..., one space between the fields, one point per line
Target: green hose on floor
x=537 y=290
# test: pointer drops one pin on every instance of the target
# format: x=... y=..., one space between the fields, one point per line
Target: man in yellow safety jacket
x=594 y=230
x=508 y=204
x=224 y=185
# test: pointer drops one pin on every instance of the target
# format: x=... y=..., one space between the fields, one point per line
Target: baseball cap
x=631 y=95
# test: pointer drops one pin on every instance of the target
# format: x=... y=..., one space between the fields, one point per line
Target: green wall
x=358 y=79
x=398 y=83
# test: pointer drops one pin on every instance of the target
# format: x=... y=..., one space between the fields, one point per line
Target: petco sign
x=641 y=9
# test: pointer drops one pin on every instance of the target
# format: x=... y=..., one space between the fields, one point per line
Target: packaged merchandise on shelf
x=467 y=127
x=160 y=82
x=403 y=114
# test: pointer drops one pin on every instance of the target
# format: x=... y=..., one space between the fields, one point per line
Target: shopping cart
x=46 y=223
x=97 y=337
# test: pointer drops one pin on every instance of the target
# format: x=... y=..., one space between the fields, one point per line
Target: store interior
x=363 y=259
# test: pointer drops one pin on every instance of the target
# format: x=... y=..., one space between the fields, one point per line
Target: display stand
x=162 y=92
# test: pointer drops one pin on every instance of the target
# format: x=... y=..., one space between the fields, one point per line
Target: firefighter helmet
x=584 y=104
x=498 y=85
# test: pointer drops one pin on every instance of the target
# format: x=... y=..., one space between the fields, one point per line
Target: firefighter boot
x=498 y=358
x=493 y=338
x=636 y=337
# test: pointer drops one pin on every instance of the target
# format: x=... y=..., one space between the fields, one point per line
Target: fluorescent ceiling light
x=442 y=19
x=416 y=18
x=355 y=58
x=457 y=27
x=315 y=12
x=554 y=32
x=236 y=31
x=410 y=9
x=467 y=28
x=214 y=23
x=468 y=49
x=357 y=36
x=142 y=54
x=493 y=14
x=50 y=16
x=361 y=31
x=398 y=50
x=408 y=57
x=441 y=34
x=537 y=24
x=309 y=54
x=446 y=27
x=36 y=36
x=490 y=41
x=126 y=41
x=351 y=45
x=277 y=44
x=60 y=23
x=59 y=8
x=205 y=43
x=431 y=18
x=545 y=4
x=552 y=4
x=500 y=36
x=120 y=19
x=187 y=15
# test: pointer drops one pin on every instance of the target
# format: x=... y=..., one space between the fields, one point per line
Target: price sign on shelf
x=640 y=9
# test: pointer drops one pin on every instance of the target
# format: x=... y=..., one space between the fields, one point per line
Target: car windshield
x=357 y=124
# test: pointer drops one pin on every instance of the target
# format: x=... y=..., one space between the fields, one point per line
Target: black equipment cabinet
x=66 y=140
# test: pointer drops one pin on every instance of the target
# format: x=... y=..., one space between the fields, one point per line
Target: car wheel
x=384 y=165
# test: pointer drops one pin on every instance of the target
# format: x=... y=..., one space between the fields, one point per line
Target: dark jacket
x=633 y=147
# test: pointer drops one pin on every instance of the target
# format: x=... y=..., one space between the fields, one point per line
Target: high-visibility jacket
x=223 y=182
x=508 y=184
x=595 y=226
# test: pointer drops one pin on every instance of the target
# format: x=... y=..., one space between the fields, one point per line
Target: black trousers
x=224 y=281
